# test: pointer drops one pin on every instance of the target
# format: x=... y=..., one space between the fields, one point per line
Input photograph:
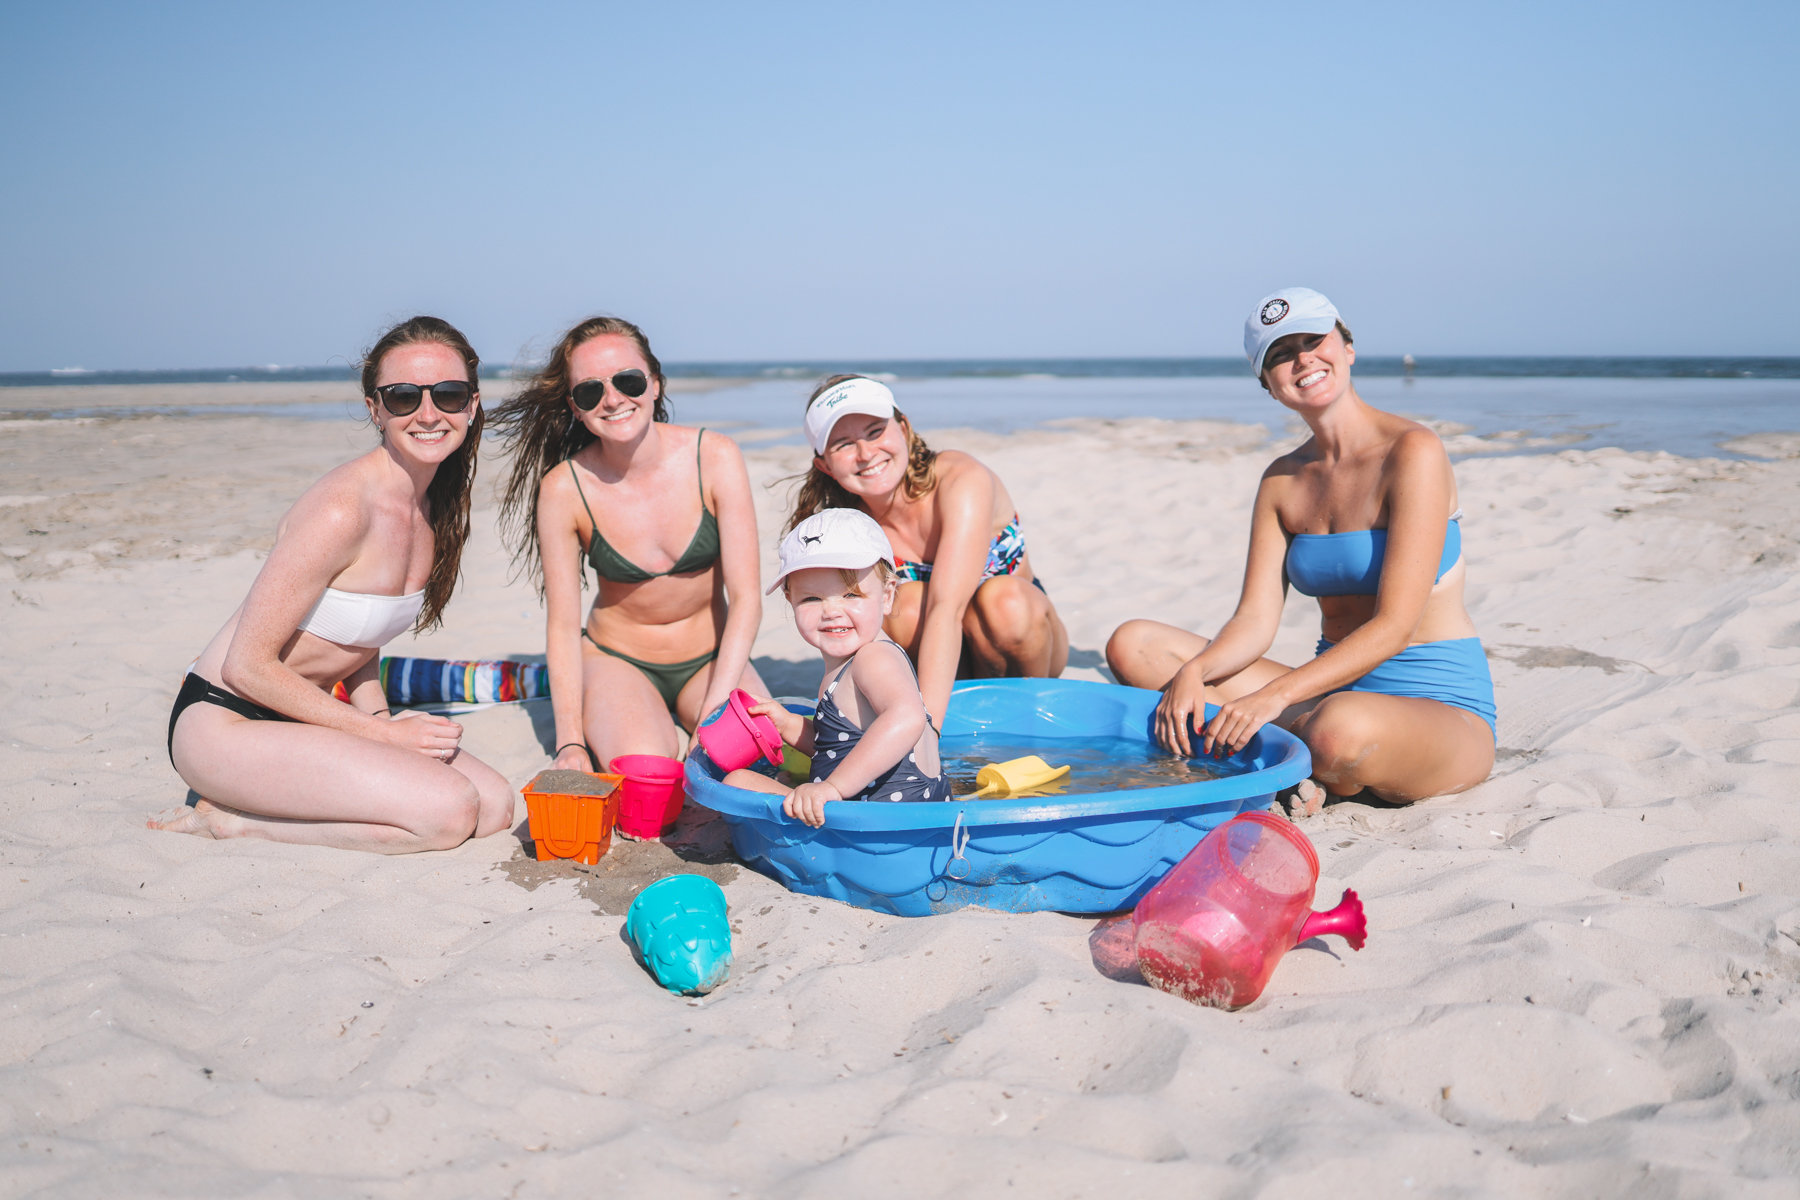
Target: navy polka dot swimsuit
x=834 y=737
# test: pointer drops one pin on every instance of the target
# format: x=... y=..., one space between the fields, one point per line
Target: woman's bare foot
x=204 y=819
x=1306 y=800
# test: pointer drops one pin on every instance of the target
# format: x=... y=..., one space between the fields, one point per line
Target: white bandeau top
x=360 y=619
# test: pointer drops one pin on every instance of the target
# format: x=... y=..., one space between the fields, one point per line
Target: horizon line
x=774 y=368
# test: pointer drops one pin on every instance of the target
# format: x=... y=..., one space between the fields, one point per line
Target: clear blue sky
x=190 y=185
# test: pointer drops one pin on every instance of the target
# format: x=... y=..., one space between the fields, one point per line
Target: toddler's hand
x=807 y=802
x=790 y=725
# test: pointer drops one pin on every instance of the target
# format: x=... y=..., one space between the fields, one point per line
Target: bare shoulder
x=562 y=506
x=338 y=504
x=1416 y=446
x=880 y=665
x=718 y=448
x=1289 y=465
x=956 y=464
x=558 y=485
x=962 y=476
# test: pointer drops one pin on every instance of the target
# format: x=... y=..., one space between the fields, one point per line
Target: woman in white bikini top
x=368 y=552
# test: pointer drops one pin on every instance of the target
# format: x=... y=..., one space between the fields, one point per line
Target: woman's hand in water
x=807 y=802
x=1183 y=696
x=432 y=736
x=1237 y=721
x=792 y=726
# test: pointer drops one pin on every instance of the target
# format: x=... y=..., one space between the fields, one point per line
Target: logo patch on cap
x=1274 y=310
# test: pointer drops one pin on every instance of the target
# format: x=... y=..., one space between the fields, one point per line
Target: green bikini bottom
x=667 y=678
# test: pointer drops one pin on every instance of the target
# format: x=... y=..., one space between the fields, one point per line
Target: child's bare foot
x=204 y=819
x=1306 y=800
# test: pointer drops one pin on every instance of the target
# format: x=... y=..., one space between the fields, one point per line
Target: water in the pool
x=1097 y=764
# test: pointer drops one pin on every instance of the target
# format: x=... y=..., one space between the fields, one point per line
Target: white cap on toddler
x=868 y=397
x=833 y=537
x=1291 y=310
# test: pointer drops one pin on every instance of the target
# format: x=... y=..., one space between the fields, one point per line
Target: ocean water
x=1009 y=368
x=1688 y=415
x=1685 y=406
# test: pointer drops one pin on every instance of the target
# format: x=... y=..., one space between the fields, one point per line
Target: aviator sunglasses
x=403 y=399
x=587 y=394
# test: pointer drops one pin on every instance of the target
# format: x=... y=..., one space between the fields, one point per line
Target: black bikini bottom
x=194 y=690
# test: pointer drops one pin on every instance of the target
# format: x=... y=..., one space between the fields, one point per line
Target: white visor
x=835 y=537
x=859 y=395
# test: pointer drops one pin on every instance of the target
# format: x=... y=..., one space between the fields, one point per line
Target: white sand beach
x=1582 y=977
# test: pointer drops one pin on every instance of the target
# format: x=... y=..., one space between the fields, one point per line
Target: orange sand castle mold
x=572 y=813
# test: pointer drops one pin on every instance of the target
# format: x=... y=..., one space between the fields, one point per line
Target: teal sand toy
x=679 y=931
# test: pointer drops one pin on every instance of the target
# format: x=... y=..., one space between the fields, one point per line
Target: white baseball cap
x=1291 y=310
x=833 y=537
x=865 y=396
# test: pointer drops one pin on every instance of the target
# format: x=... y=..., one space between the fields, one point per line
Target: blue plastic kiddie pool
x=1092 y=853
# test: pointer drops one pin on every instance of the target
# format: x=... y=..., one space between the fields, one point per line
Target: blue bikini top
x=1349 y=564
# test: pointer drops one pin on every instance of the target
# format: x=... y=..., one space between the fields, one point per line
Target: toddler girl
x=872 y=738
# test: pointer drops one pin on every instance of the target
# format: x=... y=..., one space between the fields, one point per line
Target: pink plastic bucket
x=736 y=739
x=650 y=799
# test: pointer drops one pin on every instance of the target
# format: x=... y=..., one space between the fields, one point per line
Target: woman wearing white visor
x=1363 y=516
x=969 y=605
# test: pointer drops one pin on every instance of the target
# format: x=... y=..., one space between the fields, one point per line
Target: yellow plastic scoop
x=1017 y=777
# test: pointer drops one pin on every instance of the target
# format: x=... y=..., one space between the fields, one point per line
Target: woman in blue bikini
x=968 y=604
x=1364 y=517
x=663 y=514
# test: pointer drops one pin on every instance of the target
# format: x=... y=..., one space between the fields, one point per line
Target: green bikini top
x=610 y=565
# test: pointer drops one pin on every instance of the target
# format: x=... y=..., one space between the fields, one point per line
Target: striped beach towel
x=410 y=682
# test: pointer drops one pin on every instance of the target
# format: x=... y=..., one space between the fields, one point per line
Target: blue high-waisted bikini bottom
x=1453 y=672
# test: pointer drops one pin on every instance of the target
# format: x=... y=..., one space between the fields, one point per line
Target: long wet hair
x=819 y=491
x=452 y=488
x=540 y=431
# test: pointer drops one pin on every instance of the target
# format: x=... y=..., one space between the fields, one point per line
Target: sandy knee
x=1006 y=615
x=907 y=602
x=1125 y=644
x=1136 y=654
x=903 y=622
x=497 y=807
x=1339 y=737
x=453 y=816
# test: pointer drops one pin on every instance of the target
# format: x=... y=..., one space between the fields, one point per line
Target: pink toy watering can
x=1214 y=928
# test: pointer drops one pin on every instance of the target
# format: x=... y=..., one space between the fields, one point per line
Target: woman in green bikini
x=663 y=514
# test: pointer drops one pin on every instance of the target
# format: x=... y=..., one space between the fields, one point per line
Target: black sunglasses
x=403 y=399
x=587 y=393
